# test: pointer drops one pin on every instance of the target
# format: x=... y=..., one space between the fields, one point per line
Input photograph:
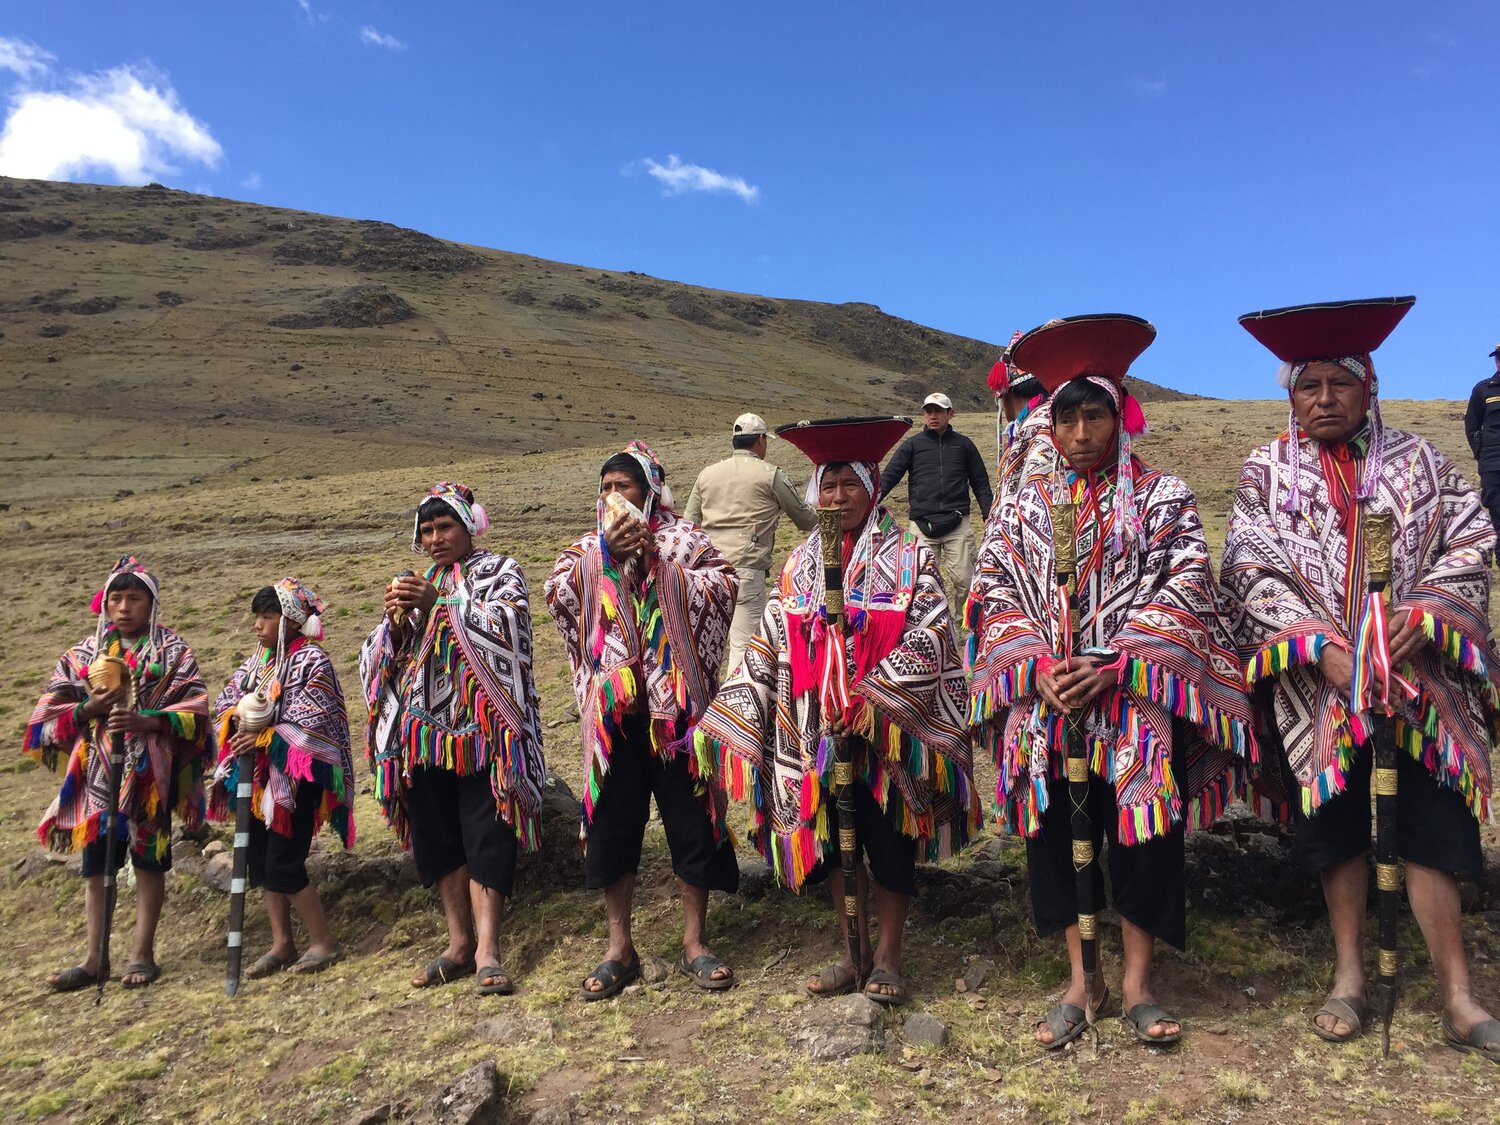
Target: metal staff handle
x=1378 y=528
x=244 y=769
x=1065 y=568
x=110 y=821
x=830 y=532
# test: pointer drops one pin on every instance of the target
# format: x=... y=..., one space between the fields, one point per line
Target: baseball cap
x=750 y=424
x=1496 y=351
x=938 y=399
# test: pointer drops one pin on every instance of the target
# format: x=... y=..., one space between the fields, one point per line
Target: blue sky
x=979 y=167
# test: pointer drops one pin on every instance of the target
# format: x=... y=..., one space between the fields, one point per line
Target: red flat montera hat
x=1103 y=344
x=845 y=439
x=1328 y=329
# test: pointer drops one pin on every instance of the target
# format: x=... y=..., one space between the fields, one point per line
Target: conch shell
x=107 y=673
x=617 y=508
x=399 y=617
x=252 y=714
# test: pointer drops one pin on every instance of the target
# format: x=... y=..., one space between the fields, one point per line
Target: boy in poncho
x=455 y=737
x=166 y=756
x=1155 y=690
x=303 y=773
x=1295 y=562
x=896 y=688
x=643 y=603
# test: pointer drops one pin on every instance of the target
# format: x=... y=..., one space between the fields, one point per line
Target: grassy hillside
x=172 y=424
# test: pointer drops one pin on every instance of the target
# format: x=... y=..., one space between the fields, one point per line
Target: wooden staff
x=1065 y=567
x=830 y=532
x=1377 y=529
x=111 y=669
x=244 y=770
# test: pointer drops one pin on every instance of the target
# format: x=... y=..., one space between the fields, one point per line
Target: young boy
x=165 y=757
x=303 y=769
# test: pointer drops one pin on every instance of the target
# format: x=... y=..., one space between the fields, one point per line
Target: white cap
x=750 y=424
x=938 y=399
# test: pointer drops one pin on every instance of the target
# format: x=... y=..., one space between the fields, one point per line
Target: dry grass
x=221 y=506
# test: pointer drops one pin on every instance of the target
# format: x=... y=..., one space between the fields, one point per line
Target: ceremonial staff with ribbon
x=836 y=696
x=1371 y=688
x=1064 y=514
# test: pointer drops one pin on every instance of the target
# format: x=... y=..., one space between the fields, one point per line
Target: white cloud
x=127 y=123
x=677 y=178
x=1148 y=87
x=312 y=14
x=23 y=58
x=374 y=38
x=251 y=182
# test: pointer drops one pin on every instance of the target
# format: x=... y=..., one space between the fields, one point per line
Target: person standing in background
x=738 y=502
x=1482 y=428
x=944 y=465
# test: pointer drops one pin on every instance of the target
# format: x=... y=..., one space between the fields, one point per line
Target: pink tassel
x=97 y=605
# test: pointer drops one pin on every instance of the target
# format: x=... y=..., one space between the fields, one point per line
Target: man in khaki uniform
x=738 y=502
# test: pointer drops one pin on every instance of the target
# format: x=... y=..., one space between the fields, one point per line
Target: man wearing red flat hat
x=1154 y=689
x=1482 y=428
x=895 y=685
x=1296 y=561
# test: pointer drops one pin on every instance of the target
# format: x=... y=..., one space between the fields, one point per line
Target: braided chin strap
x=1363 y=369
x=1132 y=423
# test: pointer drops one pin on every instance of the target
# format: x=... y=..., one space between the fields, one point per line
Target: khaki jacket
x=738 y=502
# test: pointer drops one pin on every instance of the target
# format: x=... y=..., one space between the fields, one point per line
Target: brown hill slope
x=244 y=330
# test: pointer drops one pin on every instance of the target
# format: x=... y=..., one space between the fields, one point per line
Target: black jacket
x=1482 y=423
x=943 y=467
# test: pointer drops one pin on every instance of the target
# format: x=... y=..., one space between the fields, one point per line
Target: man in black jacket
x=943 y=465
x=1482 y=428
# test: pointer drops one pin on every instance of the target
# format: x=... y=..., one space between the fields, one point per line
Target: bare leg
x=861 y=923
x=1434 y=901
x=1140 y=947
x=488 y=907
x=890 y=915
x=618 y=897
x=150 y=891
x=1345 y=889
x=279 y=912
x=93 y=915
x=1075 y=993
x=694 y=919
x=453 y=892
x=320 y=939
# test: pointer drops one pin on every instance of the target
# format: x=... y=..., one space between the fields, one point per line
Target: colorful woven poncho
x=647 y=641
x=459 y=694
x=1296 y=574
x=308 y=741
x=1151 y=600
x=765 y=731
x=157 y=766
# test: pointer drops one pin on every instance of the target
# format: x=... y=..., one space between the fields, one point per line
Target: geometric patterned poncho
x=662 y=633
x=1296 y=580
x=308 y=740
x=459 y=695
x=766 y=733
x=157 y=766
x=1156 y=606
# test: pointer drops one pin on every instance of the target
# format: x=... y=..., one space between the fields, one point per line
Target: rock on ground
x=472 y=1100
x=840 y=1028
x=655 y=969
x=922 y=1030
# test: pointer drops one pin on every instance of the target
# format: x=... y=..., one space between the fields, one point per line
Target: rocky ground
x=155 y=409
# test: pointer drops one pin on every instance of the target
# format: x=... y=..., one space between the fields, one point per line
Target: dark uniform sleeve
x=895 y=469
x=1474 y=419
x=979 y=479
